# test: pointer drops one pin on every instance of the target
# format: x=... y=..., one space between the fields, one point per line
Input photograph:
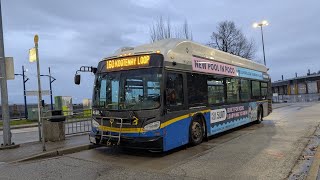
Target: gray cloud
x=74 y=33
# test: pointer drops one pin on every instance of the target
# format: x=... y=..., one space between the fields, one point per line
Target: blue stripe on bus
x=229 y=125
x=177 y=134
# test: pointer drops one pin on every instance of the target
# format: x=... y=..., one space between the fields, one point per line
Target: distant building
x=298 y=89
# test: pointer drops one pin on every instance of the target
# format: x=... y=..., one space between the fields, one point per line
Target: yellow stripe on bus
x=171 y=121
x=263 y=101
x=140 y=130
x=123 y=130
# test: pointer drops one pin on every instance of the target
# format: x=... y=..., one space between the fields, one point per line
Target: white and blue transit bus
x=174 y=92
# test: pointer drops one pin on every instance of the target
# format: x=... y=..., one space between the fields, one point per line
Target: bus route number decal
x=218 y=115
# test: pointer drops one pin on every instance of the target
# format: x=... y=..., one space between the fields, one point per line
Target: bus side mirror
x=94 y=70
x=77 y=79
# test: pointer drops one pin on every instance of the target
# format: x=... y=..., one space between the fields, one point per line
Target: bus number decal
x=218 y=115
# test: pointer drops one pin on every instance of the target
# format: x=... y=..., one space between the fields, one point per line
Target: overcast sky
x=81 y=32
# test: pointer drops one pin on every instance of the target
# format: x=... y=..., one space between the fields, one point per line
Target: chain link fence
x=296 y=98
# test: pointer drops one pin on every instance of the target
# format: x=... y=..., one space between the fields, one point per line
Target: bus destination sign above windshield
x=130 y=62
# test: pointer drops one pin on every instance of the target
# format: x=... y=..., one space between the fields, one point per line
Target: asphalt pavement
x=269 y=150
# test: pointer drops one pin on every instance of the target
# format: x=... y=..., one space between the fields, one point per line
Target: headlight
x=95 y=123
x=152 y=126
x=95 y=112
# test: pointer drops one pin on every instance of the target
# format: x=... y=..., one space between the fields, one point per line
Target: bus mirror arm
x=77 y=76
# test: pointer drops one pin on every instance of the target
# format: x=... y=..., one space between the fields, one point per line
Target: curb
x=9 y=147
x=21 y=127
x=314 y=169
x=58 y=152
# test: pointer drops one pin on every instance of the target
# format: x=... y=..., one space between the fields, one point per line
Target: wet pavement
x=268 y=150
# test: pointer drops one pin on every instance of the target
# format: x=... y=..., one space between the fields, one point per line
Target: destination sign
x=128 y=62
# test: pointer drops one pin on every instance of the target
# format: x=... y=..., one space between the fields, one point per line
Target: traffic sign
x=32 y=55
x=35 y=93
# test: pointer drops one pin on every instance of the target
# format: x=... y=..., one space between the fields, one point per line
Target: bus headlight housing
x=95 y=112
x=152 y=126
x=95 y=123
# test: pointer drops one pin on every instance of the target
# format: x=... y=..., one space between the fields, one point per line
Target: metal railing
x=77 y=121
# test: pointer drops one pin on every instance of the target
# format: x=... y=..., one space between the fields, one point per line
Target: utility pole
x=4 y=91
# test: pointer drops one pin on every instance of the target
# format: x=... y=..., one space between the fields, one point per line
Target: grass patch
x=19 y=122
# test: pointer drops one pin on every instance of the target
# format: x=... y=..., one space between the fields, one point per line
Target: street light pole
x=25 y=79
x=255 y=25
x=51 y=88
x=264 y=56
x=51 y=80
x=24 y=94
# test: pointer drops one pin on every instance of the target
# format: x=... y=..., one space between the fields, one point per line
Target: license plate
x=92 y=139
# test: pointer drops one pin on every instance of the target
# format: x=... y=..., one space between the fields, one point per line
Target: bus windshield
x=128 y=90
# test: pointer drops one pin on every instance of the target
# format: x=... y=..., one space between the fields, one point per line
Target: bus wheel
x=196 y=132
x=259 y=116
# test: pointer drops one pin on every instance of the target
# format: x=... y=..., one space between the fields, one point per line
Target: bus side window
x=233 y=95
x=264 y=90
x=197 y=90
x=174 y=90
x=215 y=91
x=256 y=93
x=245 y=90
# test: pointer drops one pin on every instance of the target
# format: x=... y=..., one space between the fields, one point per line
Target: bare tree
x=229 y=38
x=162 y=29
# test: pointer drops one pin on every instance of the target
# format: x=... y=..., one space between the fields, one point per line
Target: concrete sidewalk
x=33 y=150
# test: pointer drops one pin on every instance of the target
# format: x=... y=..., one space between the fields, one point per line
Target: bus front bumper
x=149 y=143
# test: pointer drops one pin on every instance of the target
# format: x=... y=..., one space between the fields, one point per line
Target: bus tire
x=259 y=115
x=196 y=132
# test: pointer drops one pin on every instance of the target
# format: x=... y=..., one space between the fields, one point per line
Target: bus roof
x=181 y=51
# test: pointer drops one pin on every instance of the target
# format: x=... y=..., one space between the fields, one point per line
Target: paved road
x=259 y=151
x=25 y=135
